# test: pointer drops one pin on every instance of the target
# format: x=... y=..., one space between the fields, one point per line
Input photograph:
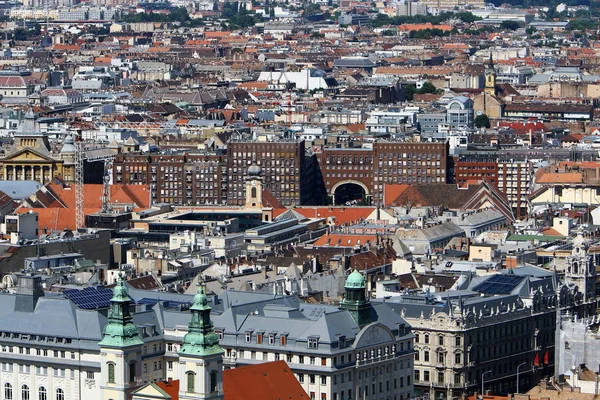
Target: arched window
x=132 y=371
x=60 y=394
x=42 y=393
x=213 y=381
x=24 y=392
x=8 y=391
x=253 y=192
x=111 y=372
x=191 y=381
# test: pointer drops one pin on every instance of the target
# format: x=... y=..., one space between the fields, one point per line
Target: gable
x=373 y=335
x=28 y=155
x=150 y=391
x=411 y=197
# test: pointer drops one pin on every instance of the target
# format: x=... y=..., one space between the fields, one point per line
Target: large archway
x=350 y=193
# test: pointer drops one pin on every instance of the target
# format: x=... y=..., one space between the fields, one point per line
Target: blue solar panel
x=90 y=298
x=499 y=284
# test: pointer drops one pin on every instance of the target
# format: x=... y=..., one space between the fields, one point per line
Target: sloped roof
x=271 y=380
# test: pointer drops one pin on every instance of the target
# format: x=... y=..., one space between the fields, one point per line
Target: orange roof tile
x=342 y=215
x=271 y=380
x=344 y=240
x=561 y=177
x=391 y=192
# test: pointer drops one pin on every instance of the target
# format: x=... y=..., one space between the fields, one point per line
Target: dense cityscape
x=299 y=199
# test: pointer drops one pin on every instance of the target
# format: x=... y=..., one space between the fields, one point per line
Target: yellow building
x=31 y=158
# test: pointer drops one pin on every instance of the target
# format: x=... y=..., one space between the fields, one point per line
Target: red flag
x=547 y=357
x=536 y=360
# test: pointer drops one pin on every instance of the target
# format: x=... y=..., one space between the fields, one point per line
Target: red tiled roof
x=391 y=192
x=171 y=388
x=342 y=215
x=271 y=380
x=344 y=240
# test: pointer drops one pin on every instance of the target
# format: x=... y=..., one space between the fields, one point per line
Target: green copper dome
x=355 y=281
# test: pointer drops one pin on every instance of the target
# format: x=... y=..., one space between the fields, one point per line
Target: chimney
x=29 y=290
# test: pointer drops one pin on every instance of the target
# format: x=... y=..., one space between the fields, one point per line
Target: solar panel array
x=499 y=284
x=90 y=298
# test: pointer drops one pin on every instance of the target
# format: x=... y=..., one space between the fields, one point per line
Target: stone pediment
x=27 y=155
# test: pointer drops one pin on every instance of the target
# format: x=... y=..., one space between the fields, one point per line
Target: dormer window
x=313 y=343
x=248 y=337
x=259 y=338
x=271 y=339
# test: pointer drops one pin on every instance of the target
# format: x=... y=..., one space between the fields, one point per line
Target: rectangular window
x=248 y=337
x=311 y=379
x=313 y=343
x=89 y=375
x=301 y=378
x=259 y=338
x=323 y=380
x=283 y=340
x=323 y=361
x=271 y=339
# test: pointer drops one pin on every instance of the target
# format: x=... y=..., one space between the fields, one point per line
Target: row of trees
x=383 y=19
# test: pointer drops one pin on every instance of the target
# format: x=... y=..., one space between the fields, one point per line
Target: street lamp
x=518 y=367
x=483 y=381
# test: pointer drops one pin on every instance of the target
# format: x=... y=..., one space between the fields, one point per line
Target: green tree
x=428 y=87
x=510 y=25
x=409 y=92
x=482 y=121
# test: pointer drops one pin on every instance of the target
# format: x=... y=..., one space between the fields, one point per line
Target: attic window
x=283 y=340
x=313 y=343
x=248 y=337
x=271 y=339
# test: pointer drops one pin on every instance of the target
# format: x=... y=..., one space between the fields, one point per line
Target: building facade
x=287 y=172
x=180 y=179
x=386 y=162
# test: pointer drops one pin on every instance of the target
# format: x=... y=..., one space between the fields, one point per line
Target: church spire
x=120 y=330
x=201 y=339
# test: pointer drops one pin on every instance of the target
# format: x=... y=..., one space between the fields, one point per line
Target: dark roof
x=549 y=107
x=449 y=195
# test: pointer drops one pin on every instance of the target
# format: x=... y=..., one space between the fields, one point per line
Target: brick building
x=183 y=179
x=369 y=169
x=475 y=167
x=287 y=172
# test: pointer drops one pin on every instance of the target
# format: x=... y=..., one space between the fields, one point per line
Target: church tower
x=581 y=270
x=254 y=188
x=200 y=356
x=355 y=299
x=490 y=77
x=120 y=348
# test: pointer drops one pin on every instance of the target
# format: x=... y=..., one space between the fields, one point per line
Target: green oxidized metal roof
x=201 y=339
x=120 y=330
x=355 y=281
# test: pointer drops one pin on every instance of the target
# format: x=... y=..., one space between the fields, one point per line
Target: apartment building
x=515 y=180
x=368 y=169
x=178 y=178
x=287 y=172
x=495 y=326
